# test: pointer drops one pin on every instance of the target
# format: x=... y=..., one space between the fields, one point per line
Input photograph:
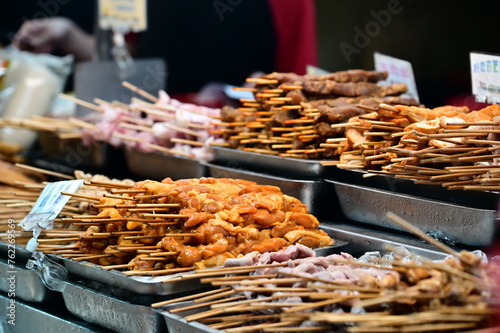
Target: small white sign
x=48 y=205
x=123 y=15
x=485 y=75
x=400 y=71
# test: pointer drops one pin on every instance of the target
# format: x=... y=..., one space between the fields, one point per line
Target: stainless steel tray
x=476 y=199
x=177 y=324
x=293 y=167
x=158 y=166
x=74 y=153
x=138 y=288
x=111 y=313
x=22 y=255
x=121 y=285
x=360 y=239
x=42 y=319
x=313 y=193
x=464 y=225
x=28 y=285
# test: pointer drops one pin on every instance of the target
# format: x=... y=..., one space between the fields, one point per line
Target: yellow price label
x=128 y=15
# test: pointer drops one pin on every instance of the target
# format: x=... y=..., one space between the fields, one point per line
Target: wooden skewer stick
x=117 y=266
x=190 y=297
x=137 y=127
x=55 y=240
x=168 y=151
x=43 y=171
x=165 y=215
x=188 y=142
x=118 y=197
x=97 y=256
x=162 y=254
x=139 y=91
x=81 y=102
x=196 y=306
x=128 y=191
x=107 y=184
x=62 y=252
x=81 y=123
x=258 y=80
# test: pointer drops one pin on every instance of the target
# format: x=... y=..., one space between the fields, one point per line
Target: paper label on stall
x=313 y=70
x=48 y=205
x=400 y=71
x=485 y=75
x=124 y=15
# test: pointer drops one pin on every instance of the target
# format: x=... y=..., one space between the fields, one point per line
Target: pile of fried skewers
x=449 y=146
x=295 y=292
x=291 y=115
x=158 y=228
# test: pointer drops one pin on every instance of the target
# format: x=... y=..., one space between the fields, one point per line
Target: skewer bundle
x=154 y=228
x=448 y=146
x=63 y=128
x=291 y=115
x=398 y=292
x=158 y=124
x=16 y=202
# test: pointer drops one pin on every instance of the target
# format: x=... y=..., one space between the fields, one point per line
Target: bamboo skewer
x=81 y=102
x=43 y=171
x=139 y=91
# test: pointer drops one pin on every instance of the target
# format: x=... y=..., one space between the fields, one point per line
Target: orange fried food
x=202 y=221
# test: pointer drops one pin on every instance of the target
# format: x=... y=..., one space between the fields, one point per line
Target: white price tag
x=313 y=70
x=123 y=15
x=400 y=71
x=485 y=75
x=48 y=205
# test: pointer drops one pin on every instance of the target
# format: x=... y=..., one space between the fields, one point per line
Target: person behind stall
x=204 y=43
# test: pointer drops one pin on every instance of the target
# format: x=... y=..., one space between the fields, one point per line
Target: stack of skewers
x=17 y=200
x=291 y=115
x=448 y=146
x=155 y=124
x=398 y=292
x=153 y=228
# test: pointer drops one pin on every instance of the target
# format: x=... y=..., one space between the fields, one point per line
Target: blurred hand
x=42 y=36
x=47 y=35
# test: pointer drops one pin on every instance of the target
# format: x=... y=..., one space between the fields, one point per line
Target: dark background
x=435 y=36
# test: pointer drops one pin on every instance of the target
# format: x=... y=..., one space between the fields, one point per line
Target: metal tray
x=73 y=153
x=476 y=199
x=462 y=224
x=138 y=289
x=158 y=166
x=361 y=238
x=111 y=313
x=177 y=324
x=28 y=285
x=358 y=239
x=30 y=318
x=121 y=285
x=21 y=254
x=283 y=166
x=313 y=193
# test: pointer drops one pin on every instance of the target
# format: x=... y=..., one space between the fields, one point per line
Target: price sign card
x=48 y=205
x=123 y=15
x=485 y=74
x=400 y=71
